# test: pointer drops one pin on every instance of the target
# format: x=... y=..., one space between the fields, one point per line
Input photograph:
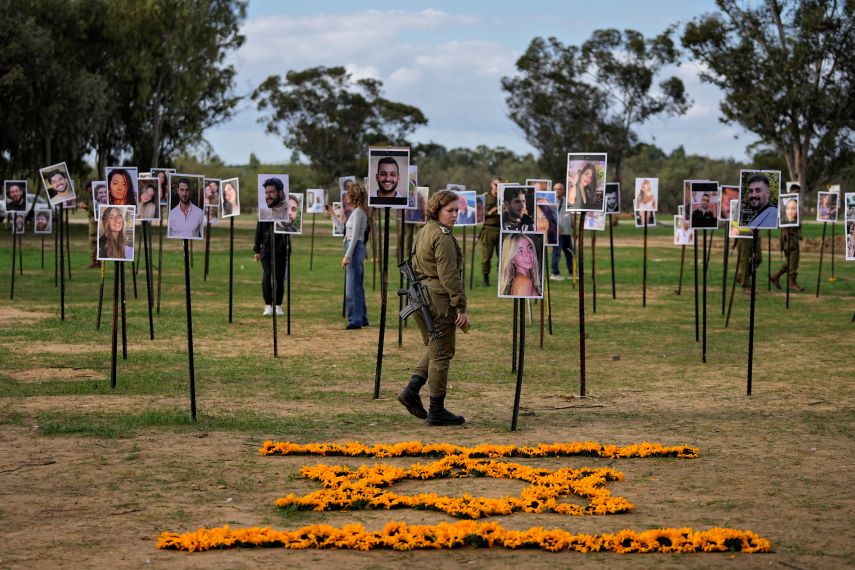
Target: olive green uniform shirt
x=437 y=257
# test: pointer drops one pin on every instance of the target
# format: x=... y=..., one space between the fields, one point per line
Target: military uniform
x=790 y=247
x=437 y=258
x=744 y=248
x=489 y=235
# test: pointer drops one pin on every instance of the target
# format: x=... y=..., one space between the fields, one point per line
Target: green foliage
x=331 y=119
x=786 y=69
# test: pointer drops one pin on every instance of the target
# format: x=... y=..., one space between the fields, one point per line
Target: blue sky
x=448 y=58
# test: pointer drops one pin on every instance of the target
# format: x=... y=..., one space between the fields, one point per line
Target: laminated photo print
x=517 y=208
x=418 y=215
x=735 y=231
x=315 y=201
x=687 y=197
x=413 y=186
x=793 y=187
x=758 y=205
x=595 y=221
x=338 y=220
x=162 y=175
x=121 y=185
x=294 y=223
x=849 y=217
x=345 y=183
x=540 y=184
x=57 y=183
x=100 y=196
x=116 y=233
x=272 y=197
x=456 y=187
x=788 y=211
x=212 y=215
x=148 y=204
x=388 y=177
x=681 y=211
x=586 y=182
x=521 y=265
x=704 y=205
x=212 y=193
x=70 y=204
x=481 y=209
x=466 y=212
x=647 y=194
x=186 y=219
x=641 y=216
x=230 y=197
x=18 y=223
x=43 y=223
x=346 y=206
x=613 y=198
x=683 y=232
x=546 y=215
x=826 y=206
x=728 y=194
x=15 y=195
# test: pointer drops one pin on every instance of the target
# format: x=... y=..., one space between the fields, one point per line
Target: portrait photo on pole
x=18 y=223
x=413 y=186
x=186 y=219
x=116 y=233
x=704 y=206
x=758 y=204
x=15 y=193
x=640 y=216
x=517 y=208
x=272 y=197
x=826 y=206
x=788 y=210
x=148 y=207
x=230 y=197
x=546 y=215
x=345 y=183
x=595 y=221
x=728 y=194
x=388 y=170
x=613 y=198
x=212 y=193
x=57 y=183
x=162 y=175
x=100 y=196
x=849 y=218
x=481 y=209
x=521 y=265
x=418 y=215
x=466 y=213
x=315 y=201
x=338 y=220
x=735 y=231
x=586 y=182
x=43 y=221
x=294 y=223
x=121 y=185
x=687 y=197
x=647 y=194
x=683 y=232
x=70 y=204
x=540 y=184
x=455 y=187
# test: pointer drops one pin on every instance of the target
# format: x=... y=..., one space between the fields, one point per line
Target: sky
x=448 y=58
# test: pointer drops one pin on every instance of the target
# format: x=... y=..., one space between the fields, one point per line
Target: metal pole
x=821 y=252
x=520 y=366
x=287 y=284
x=311 y=245
x=207 y=243
x=594 y=268
x=148 y=276
x=706 y=266
x=190 y=329
x=612 y=254
x=644 y=270
x=67 y=241
x=61 y=269
x=580 y=248
x=231 y=263
x=755 y=249
x=679 y=290
x=273 y=279
x=384 y=286
x=548 y=294
x=100 y=296
x=14 y=254
x=769 y=259
x=472 y=258
x=124 y=311
x=115 y=334
x=159 y=259
x=724 y=272
x=732 y=288
x=697 y=320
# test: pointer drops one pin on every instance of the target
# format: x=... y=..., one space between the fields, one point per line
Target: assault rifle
x=419 y=300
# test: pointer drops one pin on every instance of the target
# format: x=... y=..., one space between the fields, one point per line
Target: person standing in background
x=565 y=236
x=490 y=232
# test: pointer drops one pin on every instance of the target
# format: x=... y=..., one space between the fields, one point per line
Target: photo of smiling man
x=387 y=177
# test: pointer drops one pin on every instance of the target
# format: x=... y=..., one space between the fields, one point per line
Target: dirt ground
x=780 y=463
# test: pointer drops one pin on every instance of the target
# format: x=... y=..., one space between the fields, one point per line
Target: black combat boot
x=409 y=397
x=486 y=280
x=439 y=416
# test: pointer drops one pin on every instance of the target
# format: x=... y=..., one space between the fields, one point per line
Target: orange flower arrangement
x=400 y=536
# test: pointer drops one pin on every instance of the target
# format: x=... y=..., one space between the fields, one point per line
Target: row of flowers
x=345 y=488
x=400 y=536
x=418 y=449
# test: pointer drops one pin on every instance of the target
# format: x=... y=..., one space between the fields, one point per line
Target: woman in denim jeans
x=354 y=258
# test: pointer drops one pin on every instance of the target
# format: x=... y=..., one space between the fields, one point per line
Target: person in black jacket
x=263 y=230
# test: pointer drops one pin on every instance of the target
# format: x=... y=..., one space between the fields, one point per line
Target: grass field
x=89 y=475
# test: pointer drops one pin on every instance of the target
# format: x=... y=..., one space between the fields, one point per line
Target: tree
x=568 y=98
x=786 y=70
x=332 y=119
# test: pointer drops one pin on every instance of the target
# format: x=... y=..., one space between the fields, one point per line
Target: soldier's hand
x=462 y=320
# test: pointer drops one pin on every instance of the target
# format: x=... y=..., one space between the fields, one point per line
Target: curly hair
x=439 y=201
x=357 y=196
